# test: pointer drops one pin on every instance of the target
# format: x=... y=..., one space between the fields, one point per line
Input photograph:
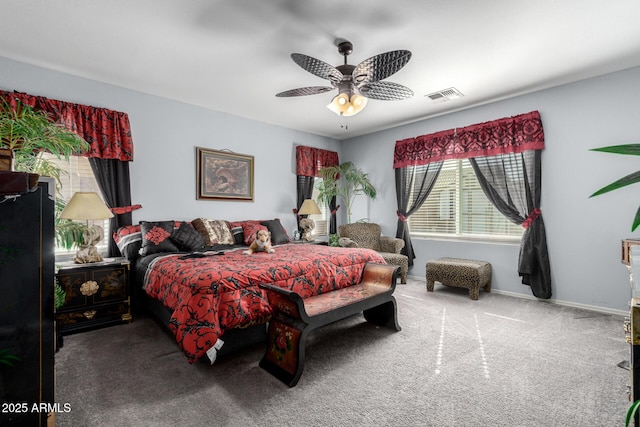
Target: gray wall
x=165 y=134
x=583 y=234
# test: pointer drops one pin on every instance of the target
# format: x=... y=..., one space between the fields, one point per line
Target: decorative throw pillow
x=187 y=238
x=215 y=232
x=129 y=241
x=278 y=233
x=250 y=228
x=238 y=235
x=156 y=237
x=221 y=232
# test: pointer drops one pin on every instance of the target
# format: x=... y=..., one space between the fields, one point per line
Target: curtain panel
x=113 y=178
x=512 y=183
x=310 y=160
x=416 y=181
x=507 y=135
x=108 y=132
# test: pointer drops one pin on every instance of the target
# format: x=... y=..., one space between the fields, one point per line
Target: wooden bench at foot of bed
x=294 y=317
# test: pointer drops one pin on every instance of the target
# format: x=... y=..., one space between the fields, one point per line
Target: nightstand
x=97 y=294
x=313 y=242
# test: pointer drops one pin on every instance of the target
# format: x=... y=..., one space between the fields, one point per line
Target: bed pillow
x=187 y=238
x=278 y=233
x=156 y=237
x=215 y=232
x=249 y=229
x=129 y=241
x=238 y=234
x=241 y=228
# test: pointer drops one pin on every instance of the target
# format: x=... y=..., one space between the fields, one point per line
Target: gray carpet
x=498 y=361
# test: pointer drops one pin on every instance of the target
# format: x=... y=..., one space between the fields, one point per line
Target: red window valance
x=108 y=132
x=310 y=160
x=502 y=136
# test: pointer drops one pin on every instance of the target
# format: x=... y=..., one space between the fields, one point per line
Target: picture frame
x=224 y=175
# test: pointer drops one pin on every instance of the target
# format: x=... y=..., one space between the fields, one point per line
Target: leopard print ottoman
x=462 y=273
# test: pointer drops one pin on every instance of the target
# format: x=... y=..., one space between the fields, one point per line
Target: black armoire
x=26 y=304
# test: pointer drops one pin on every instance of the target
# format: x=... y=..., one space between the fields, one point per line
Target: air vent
x=444 y=95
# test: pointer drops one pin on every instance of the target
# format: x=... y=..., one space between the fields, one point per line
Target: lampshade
x=87 y=206
x=309 y=207
x=347 y=103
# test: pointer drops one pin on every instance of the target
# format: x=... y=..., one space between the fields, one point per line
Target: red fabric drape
x=310 y=160
x=108 y=132
x=125 y=209
x=502 y=136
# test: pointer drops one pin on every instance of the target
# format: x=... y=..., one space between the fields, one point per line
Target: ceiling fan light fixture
x=358 y=101
x=345 y=105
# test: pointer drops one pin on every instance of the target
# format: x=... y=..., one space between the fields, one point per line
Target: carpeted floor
x=498 y=361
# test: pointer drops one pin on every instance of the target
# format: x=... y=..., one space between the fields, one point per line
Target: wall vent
x=445 y=95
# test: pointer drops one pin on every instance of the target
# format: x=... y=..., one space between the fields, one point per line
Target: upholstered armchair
x=369 y=235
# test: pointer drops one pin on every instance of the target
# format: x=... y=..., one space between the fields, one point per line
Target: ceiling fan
x=355 y=83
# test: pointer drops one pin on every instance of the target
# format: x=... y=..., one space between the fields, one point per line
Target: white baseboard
x=550 y=300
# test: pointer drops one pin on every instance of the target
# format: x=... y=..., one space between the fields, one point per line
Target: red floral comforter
x=215 y=293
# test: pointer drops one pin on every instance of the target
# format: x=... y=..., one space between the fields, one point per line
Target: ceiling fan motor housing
x=345 y=48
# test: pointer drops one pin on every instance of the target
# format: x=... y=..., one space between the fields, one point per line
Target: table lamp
x=87 y=206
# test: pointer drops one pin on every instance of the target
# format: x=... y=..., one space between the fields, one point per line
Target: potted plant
x=25 y=132
x=344 y=181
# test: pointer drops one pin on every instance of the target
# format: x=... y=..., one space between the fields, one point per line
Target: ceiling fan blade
x=318 y=68
x=385 y=91
x=380 y=66
x=303 y=91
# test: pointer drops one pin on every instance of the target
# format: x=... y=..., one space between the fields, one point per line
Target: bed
x=207 y=296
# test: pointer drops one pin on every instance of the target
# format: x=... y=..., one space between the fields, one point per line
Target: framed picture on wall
x=223 y=175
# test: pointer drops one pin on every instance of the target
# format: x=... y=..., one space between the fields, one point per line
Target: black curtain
x=413 y=185
x=512 y=182
x=113 y=179
x=333 y=224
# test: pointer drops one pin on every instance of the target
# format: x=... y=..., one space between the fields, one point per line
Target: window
x=322 y=219
x=78 y=177
x=457 y=206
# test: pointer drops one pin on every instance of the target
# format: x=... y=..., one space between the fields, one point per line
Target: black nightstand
x=97 y=294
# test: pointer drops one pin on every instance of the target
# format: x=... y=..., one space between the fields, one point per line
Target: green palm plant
x=344 y=181
x=24 y=132
x=632 y=178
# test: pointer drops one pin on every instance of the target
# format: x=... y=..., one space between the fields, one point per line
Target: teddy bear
x=262 y=243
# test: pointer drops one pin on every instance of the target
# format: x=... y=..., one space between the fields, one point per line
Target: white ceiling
x=233 y=56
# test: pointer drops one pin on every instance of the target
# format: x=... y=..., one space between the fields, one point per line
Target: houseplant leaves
x=632 y=178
